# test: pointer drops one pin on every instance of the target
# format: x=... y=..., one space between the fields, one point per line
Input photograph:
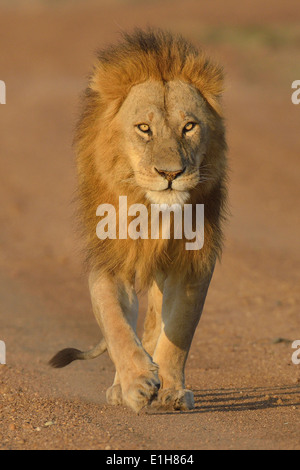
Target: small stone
x=21 y=441
x=48 y=424
x=27 y=426
x=281 y=340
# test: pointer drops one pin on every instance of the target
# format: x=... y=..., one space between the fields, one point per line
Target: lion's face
x=165 y=133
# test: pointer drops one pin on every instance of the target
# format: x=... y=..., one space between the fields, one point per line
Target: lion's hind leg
x=114 y=394
x=153 y=322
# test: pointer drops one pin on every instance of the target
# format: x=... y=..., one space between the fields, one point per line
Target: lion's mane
x=104 y=173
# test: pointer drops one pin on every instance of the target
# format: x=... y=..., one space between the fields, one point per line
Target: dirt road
x=247 y=388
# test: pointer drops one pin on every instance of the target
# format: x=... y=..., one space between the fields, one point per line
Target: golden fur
x=140 y=57
x=157 y=76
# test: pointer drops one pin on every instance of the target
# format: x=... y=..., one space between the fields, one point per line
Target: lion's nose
x=170 y=175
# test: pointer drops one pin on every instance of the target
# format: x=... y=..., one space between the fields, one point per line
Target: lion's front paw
x=142 y=391
x=114 y=395
x=175 y=399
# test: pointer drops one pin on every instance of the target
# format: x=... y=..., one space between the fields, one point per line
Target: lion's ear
x=110 y=82
x=97 y=79
x=211 y=88
x=215 y=103
x=208 y=78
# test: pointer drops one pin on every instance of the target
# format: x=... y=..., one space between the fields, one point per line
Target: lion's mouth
x=170 y=188
x=168 y=196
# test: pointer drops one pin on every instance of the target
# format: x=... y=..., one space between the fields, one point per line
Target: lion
x=152 y=129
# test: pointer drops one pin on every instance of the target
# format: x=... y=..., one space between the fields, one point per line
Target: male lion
x=152 y=130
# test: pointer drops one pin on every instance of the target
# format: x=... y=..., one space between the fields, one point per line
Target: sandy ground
x=247 y=389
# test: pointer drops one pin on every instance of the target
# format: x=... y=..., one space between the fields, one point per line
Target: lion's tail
x=66 y=356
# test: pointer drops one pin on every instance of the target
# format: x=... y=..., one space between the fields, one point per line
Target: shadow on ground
x=244 y=399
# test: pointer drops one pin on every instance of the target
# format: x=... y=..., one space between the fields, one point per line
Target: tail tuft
x=64 y=358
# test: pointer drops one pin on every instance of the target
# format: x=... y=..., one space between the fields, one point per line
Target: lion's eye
x=144 y=128
x=189 y=127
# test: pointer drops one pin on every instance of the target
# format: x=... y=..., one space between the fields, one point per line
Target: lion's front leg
x=182 y=308
x=115 y=310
